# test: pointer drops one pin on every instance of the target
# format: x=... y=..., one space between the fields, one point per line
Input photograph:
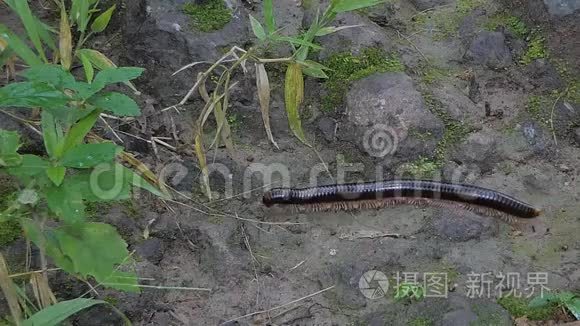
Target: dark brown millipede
x=389 y=193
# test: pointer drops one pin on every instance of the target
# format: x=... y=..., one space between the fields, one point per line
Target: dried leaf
x=9 y=290
x=263 y=85
x=200 y=153
x=294 y=95
x=65 y=40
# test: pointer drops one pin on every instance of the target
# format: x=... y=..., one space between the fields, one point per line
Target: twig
x=159 y=287
x=280 y=306
x=552 y=117
x=111 y=128
x=401 y=35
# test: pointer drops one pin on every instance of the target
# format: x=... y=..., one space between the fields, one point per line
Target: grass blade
x=257 y=28
x=8 y=288
x=263 y=85
x=269 y=18
x=31 y=25
x=56 y=314
x=65 y=41
x=294 y=95
x=200 y=153
x=349 y=5
x=19 y=47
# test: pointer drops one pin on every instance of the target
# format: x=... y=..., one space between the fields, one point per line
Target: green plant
x=567 y=300
x=512 y=23
x=298 y=65
x=519 y=307
x=411 y=291
x=64 y=50
x=536 y=50
x=58 y=186
x=208 y=16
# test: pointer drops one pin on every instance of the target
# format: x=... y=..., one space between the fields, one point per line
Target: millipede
x=354 y=196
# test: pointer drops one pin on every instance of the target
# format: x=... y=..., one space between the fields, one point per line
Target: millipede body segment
x=393 y=192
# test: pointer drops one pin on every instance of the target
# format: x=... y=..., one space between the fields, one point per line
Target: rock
x=428 y=4
x=561 y=8
x=576 y=135
x=490 y=49
x=459 y=318
x=481 y=149
x=542 y=75
x=566 y=114
x=527 y=141
x=151 y=249
x=389 y=115
x=457 y=104
x=461 y=226
x=157 y=35
x=354 y=40
x=327 y=127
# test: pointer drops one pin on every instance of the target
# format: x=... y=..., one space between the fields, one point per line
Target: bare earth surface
x=255 y=259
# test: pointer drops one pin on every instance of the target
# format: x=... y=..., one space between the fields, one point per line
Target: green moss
x=455 y=131
x=431 y=74
x=234 y=121
x=536 y=50
x=420 y=321
x=211 y=16
x=518 y=307
x=421 y=168
x=512 y=23
x=345 y=68
x=444 y=22
x=111 y=300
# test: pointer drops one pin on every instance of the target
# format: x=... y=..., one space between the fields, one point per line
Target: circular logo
x=380 y=140
x=373 y=284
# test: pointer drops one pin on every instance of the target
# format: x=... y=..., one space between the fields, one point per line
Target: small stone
x=565 y=168
x=332 y=252
x=327 y=127
x=490 y=49
x=250 y=158
x=576 y=134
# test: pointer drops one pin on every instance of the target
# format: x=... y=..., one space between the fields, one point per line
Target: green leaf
x=101 y=62
x=314 y=69
x=56 y=314
x=298 y=41
x=294 y=95
x=30 y=166
x=32 y=95
x=52 y=74
x=87 y=66
x=350 y=5
x=105 y=182
x=90 y=155
x=101 y=22
x=56 y=174
x=95 y=249
x=257 y=28
x=30 y=24
x=115 y=75
x=79 y=13
x=9 y=144
x=137 y=181
x=51 y=133
x=332 y=29
x=269 y=17
x=19 y=47
x=573 y=306
x=66 y=202
x=116 y=103
x=78 y=131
